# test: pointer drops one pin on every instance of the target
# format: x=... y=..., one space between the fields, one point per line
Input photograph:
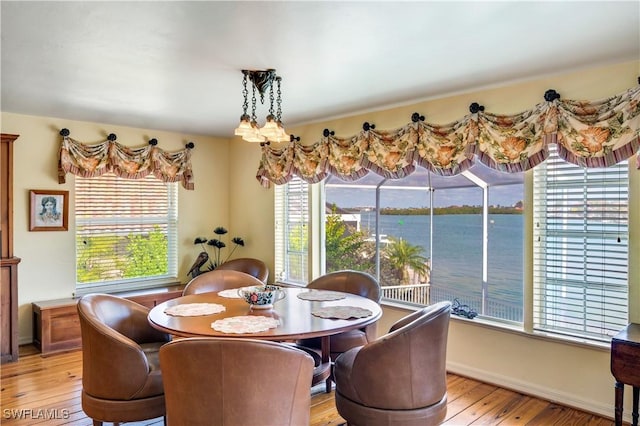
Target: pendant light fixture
x=273 y=130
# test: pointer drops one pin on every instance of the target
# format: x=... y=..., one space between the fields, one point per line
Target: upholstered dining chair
x=354 y=282
x=233 y=381
x=121 y=377
x=248 y=265
x=400 y=378
x=219 y=279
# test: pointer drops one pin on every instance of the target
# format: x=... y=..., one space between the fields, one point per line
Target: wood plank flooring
x=39 y=390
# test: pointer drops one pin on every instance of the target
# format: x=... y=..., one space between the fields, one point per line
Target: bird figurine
x=201 y=260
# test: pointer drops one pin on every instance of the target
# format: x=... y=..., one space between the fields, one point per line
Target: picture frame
x=49 y=210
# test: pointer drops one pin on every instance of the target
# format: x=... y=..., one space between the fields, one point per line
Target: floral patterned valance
x=131 y=163
x=588 y=133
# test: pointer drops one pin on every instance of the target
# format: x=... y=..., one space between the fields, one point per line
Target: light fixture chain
x=279 y=100
x=271 y=97
x=253 y=105
x=245 y=94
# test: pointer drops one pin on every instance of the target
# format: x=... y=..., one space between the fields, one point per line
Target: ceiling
x=177 y=65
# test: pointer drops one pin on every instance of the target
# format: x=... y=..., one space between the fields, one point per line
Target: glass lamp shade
x=280 y=135
x=270 y=128
x=253 y=135
x=244 y=126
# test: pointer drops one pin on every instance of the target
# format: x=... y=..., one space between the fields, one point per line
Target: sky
x=506 y=195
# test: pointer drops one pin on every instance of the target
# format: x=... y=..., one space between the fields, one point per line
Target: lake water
x=457 y=252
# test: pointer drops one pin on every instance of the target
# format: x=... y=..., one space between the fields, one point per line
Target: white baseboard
x=527 y=388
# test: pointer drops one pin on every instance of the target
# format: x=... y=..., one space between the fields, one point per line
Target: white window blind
x=126 y=233
x=291 y=228
x=580 y=249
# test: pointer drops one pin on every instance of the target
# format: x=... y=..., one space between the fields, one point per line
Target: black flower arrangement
x=216 y=244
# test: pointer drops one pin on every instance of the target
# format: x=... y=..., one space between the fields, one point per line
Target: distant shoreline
x=425 y=211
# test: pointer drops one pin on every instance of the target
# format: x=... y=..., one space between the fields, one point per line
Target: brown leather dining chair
x=231 y=381
x=121 y=377
x=218 y=280
x=400 y=378
x=248 y=265
x=354 y=282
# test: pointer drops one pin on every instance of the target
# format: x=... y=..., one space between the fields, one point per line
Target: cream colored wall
x=47 y=269
x=577 y=375
x=251 y=204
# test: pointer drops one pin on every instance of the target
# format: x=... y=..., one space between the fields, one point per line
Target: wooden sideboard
x=8 y=262
x=56 y=326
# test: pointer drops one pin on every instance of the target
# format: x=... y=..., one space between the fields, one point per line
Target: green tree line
x=417 y=211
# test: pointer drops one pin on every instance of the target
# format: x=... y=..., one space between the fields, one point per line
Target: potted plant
x=216 y=244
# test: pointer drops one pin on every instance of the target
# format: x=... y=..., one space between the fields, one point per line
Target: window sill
x=515 y=329
x=131 y=287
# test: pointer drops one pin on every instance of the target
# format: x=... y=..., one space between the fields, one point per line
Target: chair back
x=251 y=266
x=347 y=281
x=114 y=363
x=218 y=280
x=231 y=381
x=401 y=371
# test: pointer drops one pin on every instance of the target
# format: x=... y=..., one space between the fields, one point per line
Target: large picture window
x=430 y=238
x=126 y=233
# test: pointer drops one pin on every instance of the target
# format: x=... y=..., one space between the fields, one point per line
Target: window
x=463 y=240
x=126 y=233
x=580 y=248
x=292 y=231
x=470 y=232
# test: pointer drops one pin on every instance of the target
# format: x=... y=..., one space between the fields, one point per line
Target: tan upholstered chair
x=230 y=381
x=400 y=378
x=254 y=267
x=353 y=282
x=121 y=378
x=219 y=279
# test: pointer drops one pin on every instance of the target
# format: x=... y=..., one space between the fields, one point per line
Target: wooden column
x=8 y=262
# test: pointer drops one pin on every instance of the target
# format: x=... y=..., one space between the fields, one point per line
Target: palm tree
x=404 y=256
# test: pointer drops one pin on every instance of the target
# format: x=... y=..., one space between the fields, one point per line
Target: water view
x=457 y=254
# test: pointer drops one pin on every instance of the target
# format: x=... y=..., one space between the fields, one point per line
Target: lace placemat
x=341 y=312
x=321 y=295
x=194 y=309
x=231 y=293
x=245 y=324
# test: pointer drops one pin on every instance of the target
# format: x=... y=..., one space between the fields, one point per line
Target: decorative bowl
x=261 y=297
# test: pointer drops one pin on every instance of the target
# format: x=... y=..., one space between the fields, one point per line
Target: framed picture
x=49 y=210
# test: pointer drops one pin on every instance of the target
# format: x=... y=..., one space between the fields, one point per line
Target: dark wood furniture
x=294 y=314
x=625 y=367
x=8 y=262
x=56 y=326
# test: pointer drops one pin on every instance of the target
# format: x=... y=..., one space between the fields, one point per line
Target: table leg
x=619 y=401
x=636 y=392
x=326 y=357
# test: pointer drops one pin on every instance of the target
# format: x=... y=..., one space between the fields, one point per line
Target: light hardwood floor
x=46 y=391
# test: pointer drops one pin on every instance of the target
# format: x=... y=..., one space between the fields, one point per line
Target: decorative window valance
x=587 y=133
x=131 y=163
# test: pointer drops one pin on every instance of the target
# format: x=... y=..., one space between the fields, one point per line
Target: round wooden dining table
x=297 y=319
